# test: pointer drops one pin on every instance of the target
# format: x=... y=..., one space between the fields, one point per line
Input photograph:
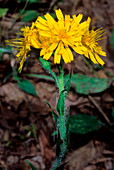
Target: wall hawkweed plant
x=58 y=39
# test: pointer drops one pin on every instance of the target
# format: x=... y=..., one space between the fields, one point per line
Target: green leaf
x=83 y=124
x=53 y=113
x=16 y=78
x=56 y=119
x=29 y=15
x=47 y=66
x=5 y=50
x=3 y=11
x=88 y=85
x=39 y=76
x=27 y=86
x=112 y=39
x=31 y=165
x=60 y=104
x=55 y=133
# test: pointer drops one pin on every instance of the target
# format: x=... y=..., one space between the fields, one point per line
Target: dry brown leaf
x=84 y=155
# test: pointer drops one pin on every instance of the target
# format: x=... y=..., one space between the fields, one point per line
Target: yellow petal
x=99 y=59
x=67 y=22
x=65 y=42
x=35 y=43
x=61 y=24
x=92 y=58
x=57 y=57
x=52 y=47
x=22 y=62
x=49 y=18
x=70 y=33
x=41 y=20
x=99 y=51
x=44 y=33
x=77 y=50
x=83 y=48
x=78 y=18
x=72 y=40
x=43 y=51
x=88 y=20
x=83 y=25
x=86 y=54
x=102 y=53
x=70 y=53
x=58 y=48
x=52 y=26
x=65 y=55
x=41 y=26
x=47 y=55
x=18 y=54
x=59 y=14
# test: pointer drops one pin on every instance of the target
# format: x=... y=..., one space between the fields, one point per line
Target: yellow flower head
x=22 y=45
x=60 y=35
x=90 y=46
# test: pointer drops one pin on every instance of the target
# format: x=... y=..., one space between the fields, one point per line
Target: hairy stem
x=62 y=145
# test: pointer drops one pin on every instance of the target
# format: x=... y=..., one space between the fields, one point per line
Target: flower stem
x=61 y=152
x=61 y=78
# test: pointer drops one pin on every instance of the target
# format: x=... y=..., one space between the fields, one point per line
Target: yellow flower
x=22 y=45
x=60 y=36
x=90 y=47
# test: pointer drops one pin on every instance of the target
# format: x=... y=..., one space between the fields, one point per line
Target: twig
x=74 y=6
x=99 y=109
x=53 y=2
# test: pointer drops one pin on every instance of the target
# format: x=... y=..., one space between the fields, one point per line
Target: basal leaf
x=27 y=86
x=88 y=85
x=83 y=124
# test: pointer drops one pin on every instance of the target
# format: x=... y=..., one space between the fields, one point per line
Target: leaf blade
x=83 y=124
x=27 y=86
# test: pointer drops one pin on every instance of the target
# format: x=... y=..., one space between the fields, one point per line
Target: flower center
x=87 y=40
x=62 y=34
